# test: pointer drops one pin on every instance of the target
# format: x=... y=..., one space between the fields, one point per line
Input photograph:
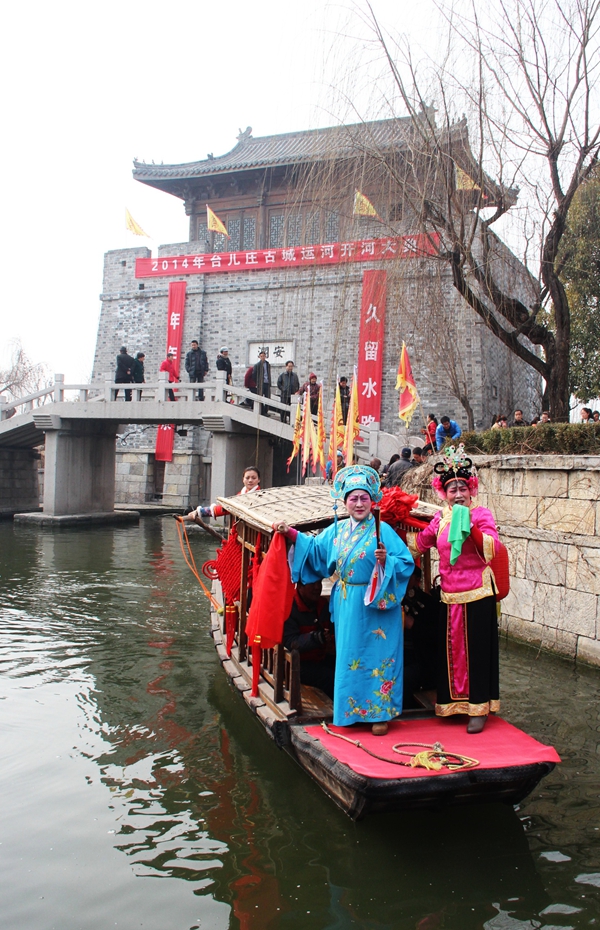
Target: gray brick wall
x=318 y=309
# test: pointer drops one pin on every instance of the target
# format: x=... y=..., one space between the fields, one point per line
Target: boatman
x=308 y=629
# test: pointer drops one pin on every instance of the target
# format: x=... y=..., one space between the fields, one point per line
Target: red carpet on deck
x=499 y=746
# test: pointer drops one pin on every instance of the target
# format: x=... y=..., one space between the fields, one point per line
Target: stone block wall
x=19 y=486
x=548 y=512
x=136 y=480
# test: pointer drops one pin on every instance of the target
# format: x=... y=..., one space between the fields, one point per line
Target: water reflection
x=121 y=725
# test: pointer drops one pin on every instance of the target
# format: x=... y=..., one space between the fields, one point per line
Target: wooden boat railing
x=280 y=668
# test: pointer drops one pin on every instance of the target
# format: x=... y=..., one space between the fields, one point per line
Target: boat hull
x=358 y=794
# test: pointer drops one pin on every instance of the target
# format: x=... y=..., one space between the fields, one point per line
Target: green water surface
x=136 y=790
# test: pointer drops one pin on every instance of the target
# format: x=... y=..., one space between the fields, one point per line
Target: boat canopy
x=302 y=506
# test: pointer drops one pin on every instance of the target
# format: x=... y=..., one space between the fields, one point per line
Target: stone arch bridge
x=78 y=424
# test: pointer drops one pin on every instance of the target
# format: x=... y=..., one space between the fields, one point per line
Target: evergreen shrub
x=557 y=438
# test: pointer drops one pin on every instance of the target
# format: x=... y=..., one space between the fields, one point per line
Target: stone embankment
x=547 y=508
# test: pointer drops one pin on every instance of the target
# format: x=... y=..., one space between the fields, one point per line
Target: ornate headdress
x=455 y=464
x=356 y=478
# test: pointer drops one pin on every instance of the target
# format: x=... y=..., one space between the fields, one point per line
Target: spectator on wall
x=448 y=429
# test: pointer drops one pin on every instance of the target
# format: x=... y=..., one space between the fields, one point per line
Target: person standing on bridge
x=196 y=365
x=138 y=369
x=124 y=372
x=287 y=384
x=169 y=366
x=262 y=376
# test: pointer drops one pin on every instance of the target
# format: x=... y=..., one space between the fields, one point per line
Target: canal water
x=137 y=791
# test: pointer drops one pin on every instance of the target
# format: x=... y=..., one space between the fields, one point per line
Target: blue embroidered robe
x=369 y=639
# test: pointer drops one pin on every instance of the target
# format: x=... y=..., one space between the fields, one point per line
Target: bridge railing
x=109 y=391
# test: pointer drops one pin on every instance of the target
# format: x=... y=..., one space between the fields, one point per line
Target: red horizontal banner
x=365 y=250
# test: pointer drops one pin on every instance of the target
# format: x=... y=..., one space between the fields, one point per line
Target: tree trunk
x=469 y=410
x=556 y=393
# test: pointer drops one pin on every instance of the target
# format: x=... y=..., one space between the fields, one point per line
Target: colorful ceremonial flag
x=405 y=383
x=363 y=206
x=463 y=181
x=309 y=439
x=321 y=433
x=337 y=431
x=297 y=435
x=352 y=423
x=214 y=223
x=132 y=226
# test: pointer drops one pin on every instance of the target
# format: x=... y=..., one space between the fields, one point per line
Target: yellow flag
x=320 y=435
x=352 y=430
x=337 y=431
x=132 y=226
x=463 y=181
x=214 y=223
x=363 y=206
x=297 y=435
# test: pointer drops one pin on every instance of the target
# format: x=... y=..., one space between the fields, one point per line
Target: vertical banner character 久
x=165 y=435
x=370 y=346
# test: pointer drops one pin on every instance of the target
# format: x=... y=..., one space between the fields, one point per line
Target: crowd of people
x=257 y=378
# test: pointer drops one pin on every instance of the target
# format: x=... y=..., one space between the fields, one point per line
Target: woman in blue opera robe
x=365 y=602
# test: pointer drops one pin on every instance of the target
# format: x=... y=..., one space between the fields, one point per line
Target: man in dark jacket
x=138 y=369
x=262 y=376
x=403 y=465
x=124 y=372
x=308 y=629
x=344 y=398
x=287 y=384
x=224 y=364
x=196 y=365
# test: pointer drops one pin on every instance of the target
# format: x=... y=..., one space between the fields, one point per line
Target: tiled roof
x=289 y=148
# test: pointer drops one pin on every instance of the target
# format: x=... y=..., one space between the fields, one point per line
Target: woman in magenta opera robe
x=468 y=673
x=365 y=601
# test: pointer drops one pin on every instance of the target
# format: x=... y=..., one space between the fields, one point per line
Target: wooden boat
x=375 y=775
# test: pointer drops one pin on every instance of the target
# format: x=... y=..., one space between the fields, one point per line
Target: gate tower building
x=290 y=278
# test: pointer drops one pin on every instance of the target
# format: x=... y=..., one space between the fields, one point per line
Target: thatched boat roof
x=303 y=506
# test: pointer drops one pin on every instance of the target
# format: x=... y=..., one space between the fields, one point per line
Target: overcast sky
x=88 y=87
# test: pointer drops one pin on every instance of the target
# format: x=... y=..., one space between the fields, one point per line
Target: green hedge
x=559 y=438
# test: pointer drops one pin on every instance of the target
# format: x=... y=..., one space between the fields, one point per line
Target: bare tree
x=23 y=376
x=525 y=72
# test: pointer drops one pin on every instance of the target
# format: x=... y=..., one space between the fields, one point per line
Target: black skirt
x=476 y=645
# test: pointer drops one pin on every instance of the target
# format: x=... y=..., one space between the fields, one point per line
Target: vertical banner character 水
x=370 y=346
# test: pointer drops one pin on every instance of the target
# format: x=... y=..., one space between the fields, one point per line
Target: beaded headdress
x=455 y=464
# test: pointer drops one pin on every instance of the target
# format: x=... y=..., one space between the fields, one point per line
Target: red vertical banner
x=370 y=346
x=165 y=435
